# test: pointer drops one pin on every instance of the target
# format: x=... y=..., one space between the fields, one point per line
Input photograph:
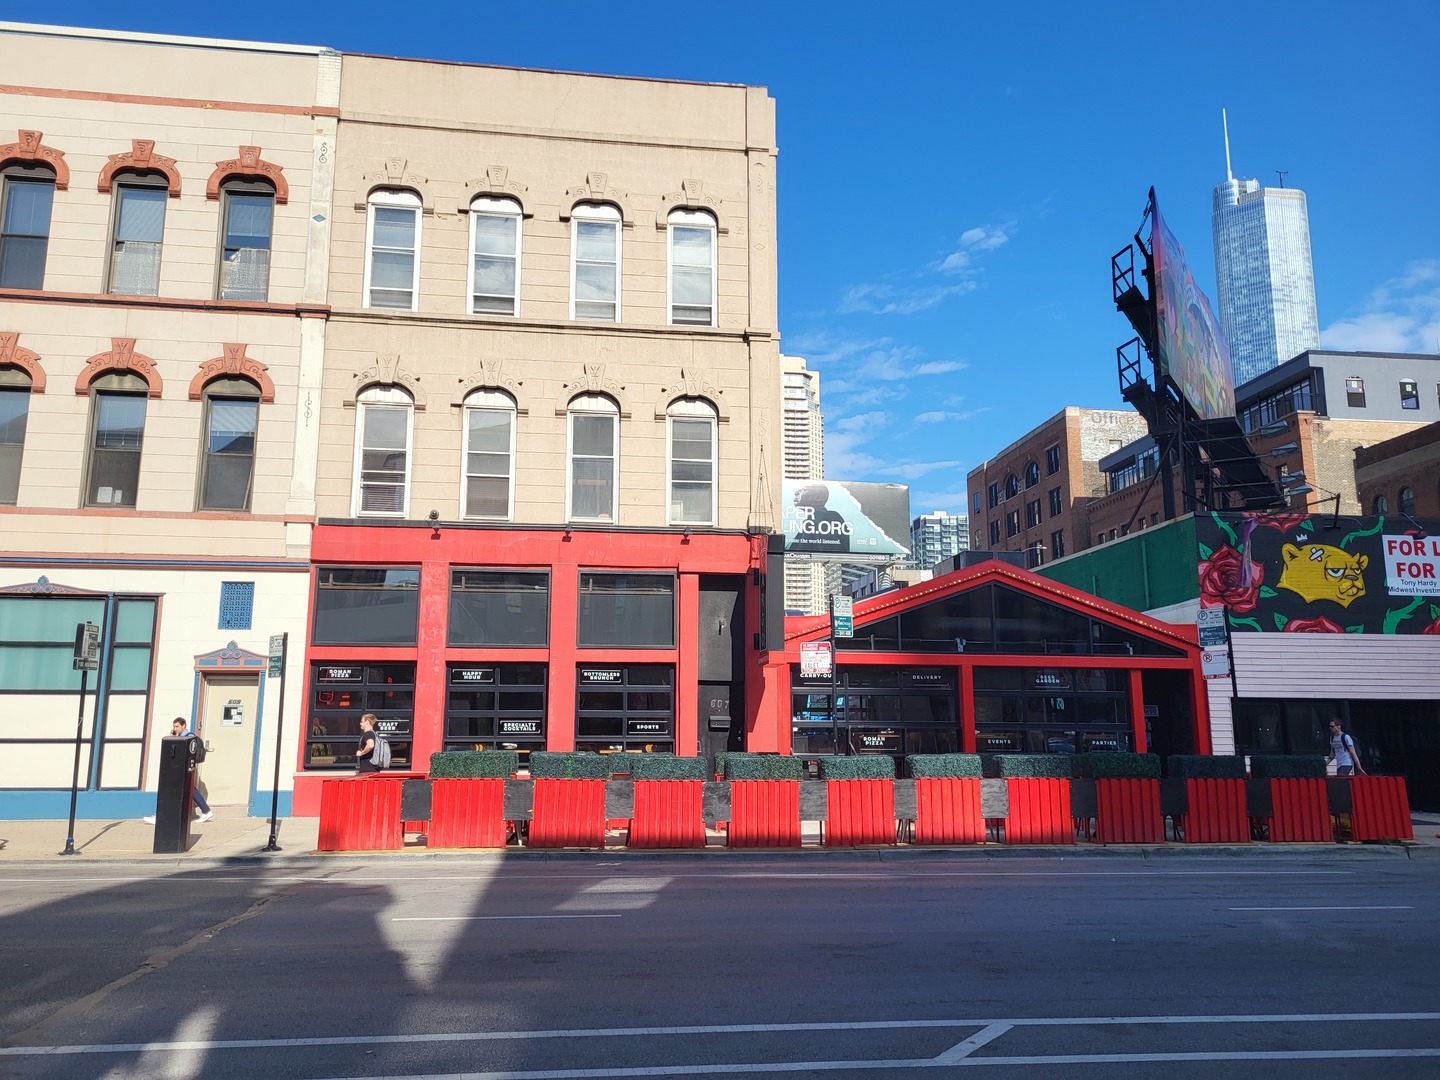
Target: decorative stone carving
x=396 y=173
x=489 y=377
x=596 y=189
x=693 y=383
x=387 y=372
x=249 y=163
x=233 y=364
x=141 y=158
x=496 y=181
x=12 y=353
x=594 y=381
x=693 y=195
x=121 y=358
x=30 y=147
x=43 y=586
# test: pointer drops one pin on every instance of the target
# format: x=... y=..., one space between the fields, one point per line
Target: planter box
x=947 y=811
x=764 y=814
x=568 y=813
x=668 y=814
x=361 y=813
x=859 y=812
x=1039 y=811
x=1300 y=811
x=1128 y=812
x=1380 y=808
x=467 y=813
x=1217 y=812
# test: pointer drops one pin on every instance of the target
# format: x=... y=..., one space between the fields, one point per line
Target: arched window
x=1012 y=486
x=14 y=412
x=383 y=426
x=227 y=468
x=1381 y=505
x=489 y=482
x=692 y=426
x=1032 y=474
x=26 y=198
x=692 y=268
x=392 y=238
x=247 y=218
x=117 y=435
x=595 y=262
x=593 y=490
x=1407 y=500
x=495 y=256
x=137 y=233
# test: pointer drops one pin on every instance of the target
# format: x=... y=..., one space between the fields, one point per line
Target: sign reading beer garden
x=1319 y=573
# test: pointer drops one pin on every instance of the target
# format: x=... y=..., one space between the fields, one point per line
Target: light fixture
x=434 y=517
x=1283 y=449
x=1275 y=427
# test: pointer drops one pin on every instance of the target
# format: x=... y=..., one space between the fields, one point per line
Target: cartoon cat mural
x=1321 y=572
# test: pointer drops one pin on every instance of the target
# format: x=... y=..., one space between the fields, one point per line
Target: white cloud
x=982 y=238
x=861 y=421
x=939 y=367
x=1402 y=314
x=942 y=416
x=912 y=470
x=886 y=299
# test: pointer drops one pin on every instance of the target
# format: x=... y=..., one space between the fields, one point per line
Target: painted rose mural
x=1295 y=573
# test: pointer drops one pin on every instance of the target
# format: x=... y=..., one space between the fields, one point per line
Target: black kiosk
x=174 y=793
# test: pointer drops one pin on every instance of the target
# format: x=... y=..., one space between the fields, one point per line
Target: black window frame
x=582 y=617
x=24 y=244
x=226 y=389
x=402 y=595
x=232 y=188
x=374 y=689
x=1052 y=460
x=461 y=576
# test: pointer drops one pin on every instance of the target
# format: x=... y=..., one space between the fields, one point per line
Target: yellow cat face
x=1322 y=572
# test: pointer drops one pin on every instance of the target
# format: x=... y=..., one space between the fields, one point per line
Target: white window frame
x=382 y=397
x=493 y=207
x=592 y=213
x=393 y=198
x=694 y=219
x=690 y=409
x=493 y=401
x=592 y=405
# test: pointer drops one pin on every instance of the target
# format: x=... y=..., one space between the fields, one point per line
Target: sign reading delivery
x=1412 y=565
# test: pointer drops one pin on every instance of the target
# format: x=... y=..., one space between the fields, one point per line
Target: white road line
x=711 y=1029
x=482 y=918
x=974 y=1042
x=1334 y=907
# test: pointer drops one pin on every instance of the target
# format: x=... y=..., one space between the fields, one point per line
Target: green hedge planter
x=1207 y=767
x=658 y=766
x=720 y=764
x=474 y=764
x=763 y=767
x=1287 y=766
x=578 y=765
x=858 y=767
x=1120 y=766
x=944 y=766
x=1035 y=765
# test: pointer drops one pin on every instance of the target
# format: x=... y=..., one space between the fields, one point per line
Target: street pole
x=279 y=733
x=1230 y=660
x=834 y=683
x=75 y=775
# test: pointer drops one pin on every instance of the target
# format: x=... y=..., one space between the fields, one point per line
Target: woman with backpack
x=365 y=754
x=1343 y=751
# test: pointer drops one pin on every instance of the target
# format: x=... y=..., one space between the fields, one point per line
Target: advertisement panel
x=1191 y=350
x=845 y=521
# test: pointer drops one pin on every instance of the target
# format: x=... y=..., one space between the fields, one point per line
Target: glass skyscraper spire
x=1265 y=280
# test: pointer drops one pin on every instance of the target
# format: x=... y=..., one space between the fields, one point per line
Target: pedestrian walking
x=178 y=731
x=365 y=752
x=1343 y=751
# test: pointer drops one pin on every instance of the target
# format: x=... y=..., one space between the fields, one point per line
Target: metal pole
x=279 y=731
x=75 y=776
x=834 y=682
x=1230 y=659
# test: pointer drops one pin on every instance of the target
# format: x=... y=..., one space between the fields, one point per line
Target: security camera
x=434 y=515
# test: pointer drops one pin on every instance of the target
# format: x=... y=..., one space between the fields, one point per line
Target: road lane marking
x=974 y=1042
x=712 y=1029
x=481 y=918
x=1334 y=907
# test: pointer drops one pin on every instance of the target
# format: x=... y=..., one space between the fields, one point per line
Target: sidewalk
x=231 y=835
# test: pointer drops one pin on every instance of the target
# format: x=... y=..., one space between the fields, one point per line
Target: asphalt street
x=596 y=967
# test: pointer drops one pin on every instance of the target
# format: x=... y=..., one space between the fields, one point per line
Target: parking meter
x=173 y=794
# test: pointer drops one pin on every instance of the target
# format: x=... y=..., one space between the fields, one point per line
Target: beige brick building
x=162 y=287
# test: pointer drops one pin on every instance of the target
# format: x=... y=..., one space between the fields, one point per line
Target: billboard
x=846 y=522
x=1190 y=348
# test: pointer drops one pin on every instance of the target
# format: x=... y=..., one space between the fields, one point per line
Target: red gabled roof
x=872 y=609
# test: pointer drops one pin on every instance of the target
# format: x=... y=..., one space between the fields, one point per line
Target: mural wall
x=1316 y=573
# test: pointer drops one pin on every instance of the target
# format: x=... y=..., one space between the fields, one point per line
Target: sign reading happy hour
x=1412 y=565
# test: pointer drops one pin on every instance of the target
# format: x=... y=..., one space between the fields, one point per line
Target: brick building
x=1401 y=475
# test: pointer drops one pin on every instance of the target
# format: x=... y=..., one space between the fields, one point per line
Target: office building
x=806 y=590
x=1265 y=281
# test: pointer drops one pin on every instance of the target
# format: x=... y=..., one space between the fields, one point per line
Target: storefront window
x=366 y=605
x=626 y=610
x=1051 y=710
x=341 y=693
x=499 y=607
x=625 y=708
x=496 y=707
x=1284 y=727
x=879 y=710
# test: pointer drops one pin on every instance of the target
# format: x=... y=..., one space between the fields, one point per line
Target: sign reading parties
x=1293 y=572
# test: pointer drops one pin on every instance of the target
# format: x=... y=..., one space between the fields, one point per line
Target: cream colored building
x=166 y=206
x=551 y=440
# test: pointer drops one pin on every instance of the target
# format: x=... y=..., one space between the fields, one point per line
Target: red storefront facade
x=467 y=636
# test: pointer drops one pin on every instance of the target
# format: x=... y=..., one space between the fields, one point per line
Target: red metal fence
x=668 y=814
x=1217 y=812
x=947 y=811
x=764 y=814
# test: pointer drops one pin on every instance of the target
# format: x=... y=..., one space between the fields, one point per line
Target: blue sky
x=954 y=177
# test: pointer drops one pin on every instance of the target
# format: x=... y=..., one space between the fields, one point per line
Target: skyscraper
x=936 y=536
x=1265 y=281
x=805 y=581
